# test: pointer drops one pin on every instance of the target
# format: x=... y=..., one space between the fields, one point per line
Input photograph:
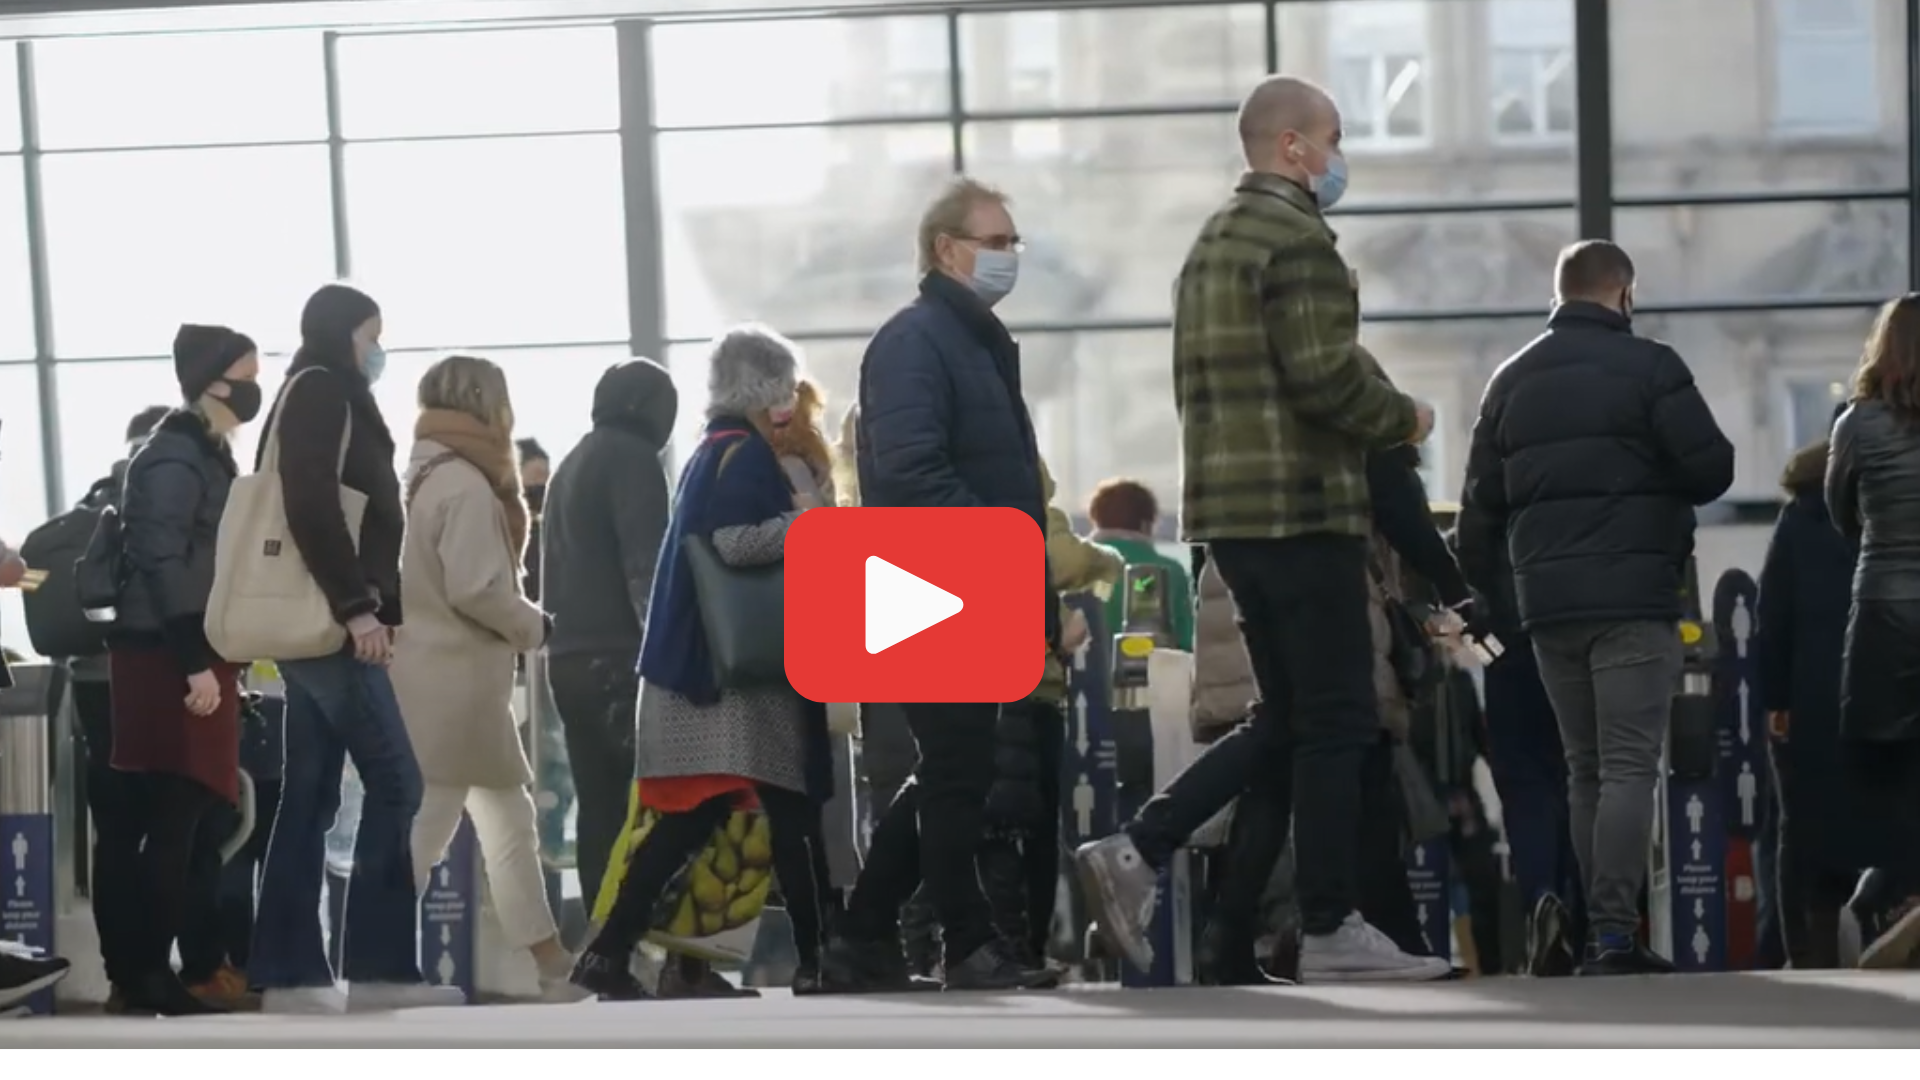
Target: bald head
x=1280 y=112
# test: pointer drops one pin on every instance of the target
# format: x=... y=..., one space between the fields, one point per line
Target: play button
x=900 y=605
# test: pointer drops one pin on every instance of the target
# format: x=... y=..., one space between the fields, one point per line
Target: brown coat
x=358 y=574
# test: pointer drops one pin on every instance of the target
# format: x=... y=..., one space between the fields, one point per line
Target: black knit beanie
x=202 y=355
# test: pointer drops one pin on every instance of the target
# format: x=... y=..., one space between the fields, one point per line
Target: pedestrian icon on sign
x=20 y=850
x=1696 y=813
x=1747 y=788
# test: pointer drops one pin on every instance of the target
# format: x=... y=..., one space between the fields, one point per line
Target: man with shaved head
x=1279 y=409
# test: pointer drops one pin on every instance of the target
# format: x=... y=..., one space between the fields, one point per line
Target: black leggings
x=175 y=809
x=799 y=865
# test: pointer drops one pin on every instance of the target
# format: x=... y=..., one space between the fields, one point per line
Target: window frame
x=1788 y=31
x=1343 y=47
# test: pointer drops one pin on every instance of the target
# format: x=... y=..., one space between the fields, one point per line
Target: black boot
x=609 y=978
x=161 y=993
x=919 y=934
x=993 y=966
x=1550 y=952
x=691 y=977
x=1619 y=954
x=1003 y=880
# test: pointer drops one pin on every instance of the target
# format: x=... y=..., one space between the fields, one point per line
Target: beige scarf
x=489 y=450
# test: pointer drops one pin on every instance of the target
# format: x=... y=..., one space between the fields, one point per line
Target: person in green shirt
x=1124 y=513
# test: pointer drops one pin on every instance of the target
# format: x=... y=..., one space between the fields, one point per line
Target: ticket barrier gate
x=27 y=854
x=1686 y=883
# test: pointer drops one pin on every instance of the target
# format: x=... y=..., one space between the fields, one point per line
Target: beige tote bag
x=265 y=604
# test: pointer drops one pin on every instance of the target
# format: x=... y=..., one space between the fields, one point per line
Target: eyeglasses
x=1002 y=242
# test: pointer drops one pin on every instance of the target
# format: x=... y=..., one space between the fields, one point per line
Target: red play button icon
x=889 y=604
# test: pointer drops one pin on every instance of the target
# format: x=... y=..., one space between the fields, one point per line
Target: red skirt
x=154 y=733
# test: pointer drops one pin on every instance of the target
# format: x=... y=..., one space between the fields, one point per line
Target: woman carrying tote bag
x=328 y=435
x=707 y=748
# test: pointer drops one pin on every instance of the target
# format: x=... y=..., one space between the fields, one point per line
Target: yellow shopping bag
x=713 y=904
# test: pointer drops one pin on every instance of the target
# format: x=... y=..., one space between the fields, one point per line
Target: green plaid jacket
x=1279 y=405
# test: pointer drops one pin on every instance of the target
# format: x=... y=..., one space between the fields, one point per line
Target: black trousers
x=799 y=867
x=174 y=813
x=1885 y=776
x=1303 y=614
x=1019 y=856
x=945 y=809
x=596 y=695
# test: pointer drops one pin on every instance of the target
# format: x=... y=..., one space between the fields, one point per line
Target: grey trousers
x=1612 y=687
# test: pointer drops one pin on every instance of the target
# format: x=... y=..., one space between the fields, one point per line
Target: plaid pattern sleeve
x=1278 y=404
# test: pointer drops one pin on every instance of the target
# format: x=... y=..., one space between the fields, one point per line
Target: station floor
x=1813 y=1009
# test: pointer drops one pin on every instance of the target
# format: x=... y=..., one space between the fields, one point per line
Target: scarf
x=489 y=450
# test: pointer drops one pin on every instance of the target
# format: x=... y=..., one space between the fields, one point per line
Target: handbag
x=743 y=610
x=265 y=604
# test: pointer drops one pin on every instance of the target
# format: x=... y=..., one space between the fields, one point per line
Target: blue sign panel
x=1090 y=775
x=26 y=901
x=1740 y=713
x=1429 y=875
x=449 y=912
x=1696 y=861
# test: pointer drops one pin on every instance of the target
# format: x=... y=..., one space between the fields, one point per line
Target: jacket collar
x=1102 y=536
x=1589 y=313
x=1274 y=184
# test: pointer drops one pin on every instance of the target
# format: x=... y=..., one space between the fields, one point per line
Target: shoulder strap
x=270 y=460
x=425 y=470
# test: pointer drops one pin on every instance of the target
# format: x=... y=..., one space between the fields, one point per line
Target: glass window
x=805 y=70
x=139 y=242
x=1702 y=253
x=1441 y=262
x=1100 y=405
x=1106 y=58
x=16 y=285
x=1810 y=405
x=1531 y=76
x=832 y=363
x=96 y=402
x=1378 y=60
x=23 y=486
x=179 y=89
x=552 y=390
x=9 y=96
x=1110 y=213
x=1668 y=137
x=1827 y=80
x=491 y=241
x=828 y=247
x=479 y=82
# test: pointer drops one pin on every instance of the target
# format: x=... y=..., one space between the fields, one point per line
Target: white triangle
x=900 y=605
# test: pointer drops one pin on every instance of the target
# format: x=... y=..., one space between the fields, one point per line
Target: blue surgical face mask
x=374 y=363
x=1329 y=186
x=994 y=274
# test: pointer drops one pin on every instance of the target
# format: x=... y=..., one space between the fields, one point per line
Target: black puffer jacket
x=605 y=515
x=1592 y=449
x=175 y=490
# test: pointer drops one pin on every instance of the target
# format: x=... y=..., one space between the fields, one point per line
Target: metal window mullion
x=1272 y=8
x=39 y=281
x=643 y=214
x=336 y=158
x=1913 y=145
x=1593 y=118
x=956 y=92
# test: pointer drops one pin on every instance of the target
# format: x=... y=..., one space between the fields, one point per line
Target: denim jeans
x=338 y=707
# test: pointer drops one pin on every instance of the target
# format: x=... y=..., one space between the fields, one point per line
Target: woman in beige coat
x=467 y=620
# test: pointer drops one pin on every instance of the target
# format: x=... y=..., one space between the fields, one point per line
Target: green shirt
x=1278 y=403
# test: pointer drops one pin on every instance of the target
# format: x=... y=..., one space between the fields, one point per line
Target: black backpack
x=89 y=534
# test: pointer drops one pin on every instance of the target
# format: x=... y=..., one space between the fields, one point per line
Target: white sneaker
x=387 y=997
x=556 y=983
x=304 y=1001
x=1357 y=952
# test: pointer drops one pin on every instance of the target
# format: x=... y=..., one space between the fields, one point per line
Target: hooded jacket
x=605 y=515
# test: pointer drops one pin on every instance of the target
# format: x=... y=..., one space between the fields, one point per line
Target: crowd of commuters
x=1324 y=607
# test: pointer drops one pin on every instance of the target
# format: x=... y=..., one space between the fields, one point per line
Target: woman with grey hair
x=705 y=751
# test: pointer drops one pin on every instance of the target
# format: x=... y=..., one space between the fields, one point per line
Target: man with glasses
x=943 y=423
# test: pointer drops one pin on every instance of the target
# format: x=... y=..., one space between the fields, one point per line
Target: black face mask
x=536 y=495
x=243 y=400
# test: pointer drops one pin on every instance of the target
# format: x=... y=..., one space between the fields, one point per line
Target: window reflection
x=23 y=489
x=479 y=82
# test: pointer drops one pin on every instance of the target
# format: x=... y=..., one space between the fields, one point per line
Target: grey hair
x=750 y=368
x=947 y=215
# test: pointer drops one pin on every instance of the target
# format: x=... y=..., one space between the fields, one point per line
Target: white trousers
x=504 y=821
